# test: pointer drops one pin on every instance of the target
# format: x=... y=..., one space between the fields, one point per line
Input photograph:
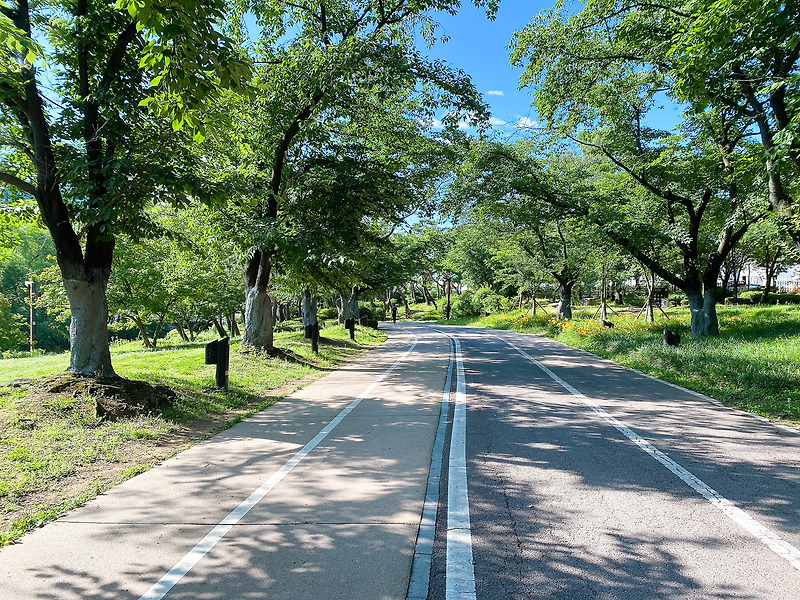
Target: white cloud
x=525 y=122
x=495 y=93
x=497 y=122
x=432 y=123
x=464 y=125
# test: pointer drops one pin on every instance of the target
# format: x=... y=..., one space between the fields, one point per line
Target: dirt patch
x=113 y=398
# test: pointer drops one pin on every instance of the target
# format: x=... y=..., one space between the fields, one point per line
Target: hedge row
x=755 y=297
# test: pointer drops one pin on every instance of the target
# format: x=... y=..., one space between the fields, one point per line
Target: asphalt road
x=473 y=464
x=573 y=491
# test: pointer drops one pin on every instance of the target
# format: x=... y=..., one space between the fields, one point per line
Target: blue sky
x=479 y=47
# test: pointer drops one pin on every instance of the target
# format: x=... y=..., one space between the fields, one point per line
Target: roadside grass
x=55 y=453
x=753 y=364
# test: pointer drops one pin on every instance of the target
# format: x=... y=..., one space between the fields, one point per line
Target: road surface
x=450 y=463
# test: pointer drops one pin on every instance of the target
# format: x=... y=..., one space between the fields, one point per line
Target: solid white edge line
x=460 y=577
x=419 y=581
x=176 y=573
x=765 y=535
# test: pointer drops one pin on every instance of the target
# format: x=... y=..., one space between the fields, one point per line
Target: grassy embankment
x=55 y=453
x=754 y=364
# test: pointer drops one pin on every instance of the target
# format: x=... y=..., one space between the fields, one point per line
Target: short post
x=350 y=324
x=218 y=353
x=312 y=333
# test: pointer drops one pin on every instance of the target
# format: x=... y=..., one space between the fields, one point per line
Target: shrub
x=123 y=330
x=289 y=325
x=368 y=311
x=327 y=313
x=487 y=301
x=677 y=299
x=432 y=315
x=754 y=297
x=462 y=305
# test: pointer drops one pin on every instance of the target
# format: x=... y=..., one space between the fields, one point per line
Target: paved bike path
x=341 y=524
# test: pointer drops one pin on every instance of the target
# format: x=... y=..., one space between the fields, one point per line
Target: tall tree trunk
x=88 y=328
x=182 y=332
x=355 y=312
x=308 y=309
x=232 y=325
x=703 y=308
x=157 y=332
x=770 y=271
x=344 y=309
x=142 y=330
x=603 y=300
x=259 y=318
x=427 y=295
x=220 y=329
x=651 y=293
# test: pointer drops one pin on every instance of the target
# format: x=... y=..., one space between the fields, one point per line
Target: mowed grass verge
x=754 y=364
x=55 y=453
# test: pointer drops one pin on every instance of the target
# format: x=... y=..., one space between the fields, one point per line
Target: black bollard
x=218 y=353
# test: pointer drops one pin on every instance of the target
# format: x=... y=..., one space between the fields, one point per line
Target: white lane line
x=768 y=537
x=460 y=576
x=168 y=581
x=419 y=582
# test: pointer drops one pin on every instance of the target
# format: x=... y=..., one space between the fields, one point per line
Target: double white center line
x=460 y=572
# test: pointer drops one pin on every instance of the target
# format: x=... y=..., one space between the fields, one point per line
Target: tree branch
x=18 y=183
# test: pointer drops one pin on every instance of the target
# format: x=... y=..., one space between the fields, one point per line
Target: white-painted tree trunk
x=344 y=309
x=703 y=307
x=355 y=312
x=564 y=309
x=259 y=319
x=309 y=309
x=88 y=328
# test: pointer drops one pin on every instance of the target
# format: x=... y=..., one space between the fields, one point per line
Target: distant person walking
x=394 y=313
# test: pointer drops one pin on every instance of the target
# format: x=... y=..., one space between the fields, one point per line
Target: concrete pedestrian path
x=341 y=523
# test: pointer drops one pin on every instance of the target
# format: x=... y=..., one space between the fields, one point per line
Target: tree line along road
x=451 y=463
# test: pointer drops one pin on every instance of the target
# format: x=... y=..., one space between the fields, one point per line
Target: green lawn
x=55 y=452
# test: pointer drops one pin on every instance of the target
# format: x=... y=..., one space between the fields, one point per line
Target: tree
x=11 y=334
x=769 y=248
x=493 y=184
x=187 y=274
x=744 y=56
x=336 y=52
x=597 y=87
x=711 y=56
x=32 y=252
x=86 y=155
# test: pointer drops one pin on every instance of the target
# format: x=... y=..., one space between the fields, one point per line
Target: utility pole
x=30 y=285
